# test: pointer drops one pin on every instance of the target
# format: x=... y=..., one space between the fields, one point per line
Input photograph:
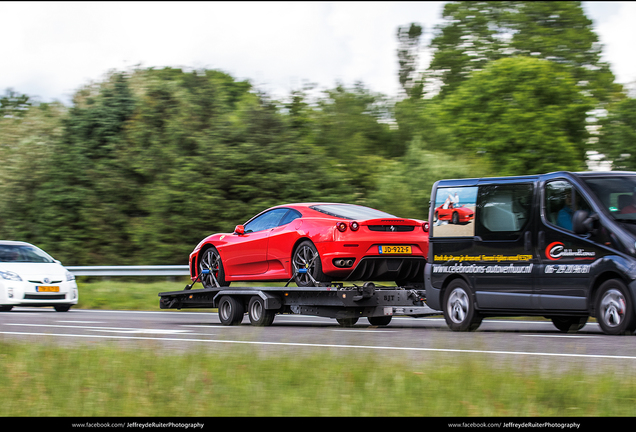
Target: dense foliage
x=147 y=162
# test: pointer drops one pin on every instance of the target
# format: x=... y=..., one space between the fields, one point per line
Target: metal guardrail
x=149 y=270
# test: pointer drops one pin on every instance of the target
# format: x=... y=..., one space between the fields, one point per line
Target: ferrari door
x=248 y=254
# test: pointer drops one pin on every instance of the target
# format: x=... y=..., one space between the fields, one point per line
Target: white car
x=31 y=277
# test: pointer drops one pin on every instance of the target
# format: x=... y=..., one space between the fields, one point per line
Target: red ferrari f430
x=315 y=243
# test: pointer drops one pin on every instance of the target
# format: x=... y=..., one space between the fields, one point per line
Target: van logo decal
x=556 y=250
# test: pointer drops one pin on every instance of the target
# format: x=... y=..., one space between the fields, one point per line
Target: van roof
x=466 y=181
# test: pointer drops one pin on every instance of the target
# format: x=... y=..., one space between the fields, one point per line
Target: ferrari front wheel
x=215 y=277
x=307 y=266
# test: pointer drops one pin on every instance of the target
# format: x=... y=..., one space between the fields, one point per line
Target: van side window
x=503 y=211
x=561 y=201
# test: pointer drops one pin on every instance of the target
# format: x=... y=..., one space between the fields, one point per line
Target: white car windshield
x=350 y=211
x=23 y=254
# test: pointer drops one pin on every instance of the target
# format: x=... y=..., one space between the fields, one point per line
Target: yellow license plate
x=47 y=289
x=395 y=249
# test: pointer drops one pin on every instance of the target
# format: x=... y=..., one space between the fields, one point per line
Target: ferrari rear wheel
x=211 y=260
x=307 y=266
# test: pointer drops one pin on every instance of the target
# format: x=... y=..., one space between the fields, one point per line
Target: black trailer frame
x=346 y=304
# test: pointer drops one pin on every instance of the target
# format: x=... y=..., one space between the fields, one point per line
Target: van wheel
x=459 y=307
x=614 y=308
x=569 y=324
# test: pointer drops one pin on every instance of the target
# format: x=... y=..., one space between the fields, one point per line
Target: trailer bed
x=345 y=304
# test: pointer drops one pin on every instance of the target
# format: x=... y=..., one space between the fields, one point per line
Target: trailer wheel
x=459 y=307
x=347 y=322
x=231 y=311
x=307 y=266
x=614 y=308
x=380 y=320
x=210 y=259
x=259 y=316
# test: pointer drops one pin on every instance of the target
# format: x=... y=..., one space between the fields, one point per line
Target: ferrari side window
x=290 y=216
x=265 y=221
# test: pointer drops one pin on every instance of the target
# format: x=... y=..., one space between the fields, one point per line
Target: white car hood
x=36 y=271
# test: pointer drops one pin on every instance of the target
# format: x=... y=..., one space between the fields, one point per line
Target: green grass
x=40 y=380
x=125 y=294
x=98 y=381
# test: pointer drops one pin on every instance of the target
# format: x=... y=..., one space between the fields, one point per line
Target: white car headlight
x=70 y=276
x=9 y=275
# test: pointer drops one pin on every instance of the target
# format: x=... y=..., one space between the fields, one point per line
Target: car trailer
x=344 y=303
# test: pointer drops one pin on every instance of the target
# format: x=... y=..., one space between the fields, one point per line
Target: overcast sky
x=51 y=49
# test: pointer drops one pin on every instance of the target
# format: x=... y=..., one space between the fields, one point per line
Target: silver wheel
x=306 y=265
x=613 y=307
x=257 y=313
x=458 y=304
x=231 y=311
x=211 y=260
x=459 y=307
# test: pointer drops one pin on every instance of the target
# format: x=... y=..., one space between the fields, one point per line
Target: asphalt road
x=523 y=342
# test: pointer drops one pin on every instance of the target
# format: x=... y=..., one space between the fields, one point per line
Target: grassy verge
x=42 y=380
x=122 y=294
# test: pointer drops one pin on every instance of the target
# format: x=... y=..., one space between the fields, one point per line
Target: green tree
x=408 y=56
x=523 y=115
x=14 y=104
x=475 y=33
x=617 y=137
x=27 y=144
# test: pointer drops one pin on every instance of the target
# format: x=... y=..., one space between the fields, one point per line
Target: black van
x=560 y=245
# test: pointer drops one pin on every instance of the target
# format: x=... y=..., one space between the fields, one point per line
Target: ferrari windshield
x=617 y=194
x=23 y=254
x=350 y=211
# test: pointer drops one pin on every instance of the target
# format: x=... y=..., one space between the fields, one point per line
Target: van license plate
x=395 y=249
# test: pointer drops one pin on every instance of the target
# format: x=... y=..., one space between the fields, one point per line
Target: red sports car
x=455 y=213
x=315 y=243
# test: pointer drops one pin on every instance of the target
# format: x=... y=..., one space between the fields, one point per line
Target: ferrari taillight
x=354 y=226
x=342 y=227
x=425 y=226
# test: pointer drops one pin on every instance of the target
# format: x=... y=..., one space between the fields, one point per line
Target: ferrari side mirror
x=240 y=230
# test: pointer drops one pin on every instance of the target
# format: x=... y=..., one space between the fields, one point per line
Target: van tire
x=459 y=307
x=569 y=324
x=615 y=308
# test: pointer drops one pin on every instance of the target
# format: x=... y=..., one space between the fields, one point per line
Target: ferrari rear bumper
x=407 y=269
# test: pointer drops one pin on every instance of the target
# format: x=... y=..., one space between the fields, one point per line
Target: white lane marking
x=366 y=330
x=106 y=329
x=368 y=347
x=81 y=322
x=564 y=336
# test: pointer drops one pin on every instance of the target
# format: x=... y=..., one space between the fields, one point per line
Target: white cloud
x=618 y=35
x=51 y=49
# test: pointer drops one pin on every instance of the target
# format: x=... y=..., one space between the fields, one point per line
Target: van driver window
x=561 y=201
